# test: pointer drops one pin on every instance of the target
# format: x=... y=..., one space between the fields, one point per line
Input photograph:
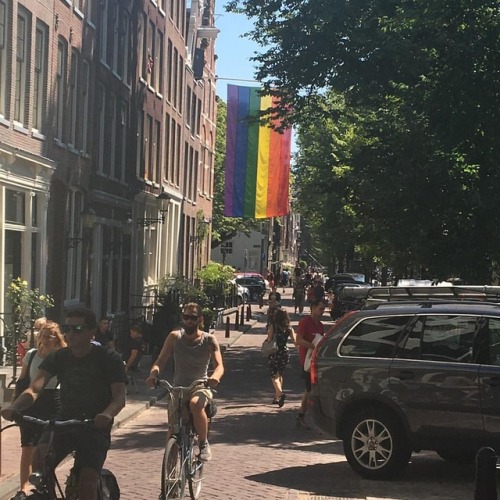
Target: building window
x=148 y=133
x=122 y=46
x=101 y=106
x=40 y=75
x=85 y=104
x=4 y=25
x=169 y=70
x=151 y=70
x=60 y=90
x=74 y=264
x=157 y=152
x=180 y=87
x=22 y=65
x=104 y=30
x=121 y=130
x=109 y=136
x=140 y=149
x=159 y=62
x=143 y=54
x=167 y=172
x=73 y=97
x=112 y=15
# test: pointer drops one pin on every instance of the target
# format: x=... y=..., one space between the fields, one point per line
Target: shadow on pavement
x=337 y=479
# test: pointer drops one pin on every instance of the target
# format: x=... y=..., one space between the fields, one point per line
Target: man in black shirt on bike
x=92 y=386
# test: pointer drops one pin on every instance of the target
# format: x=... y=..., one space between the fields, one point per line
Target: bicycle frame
x=45 y=483
x=183 y=433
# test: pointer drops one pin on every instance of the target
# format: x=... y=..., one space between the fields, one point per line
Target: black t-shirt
x=85 y=382
x=134 y=344
x=103 y=337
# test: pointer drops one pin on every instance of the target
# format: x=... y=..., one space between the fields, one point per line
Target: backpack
x=109 y=486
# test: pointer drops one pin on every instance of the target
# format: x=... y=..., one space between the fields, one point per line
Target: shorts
x=204 y=393
x=307 y=380
x=90 y=445
x=45 y=407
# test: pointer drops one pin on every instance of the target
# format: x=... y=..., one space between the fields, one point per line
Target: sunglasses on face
x=191 y=317
x=72 y=328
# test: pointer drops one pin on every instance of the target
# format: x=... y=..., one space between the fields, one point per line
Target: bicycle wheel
x=173 y=479
x=194 y=471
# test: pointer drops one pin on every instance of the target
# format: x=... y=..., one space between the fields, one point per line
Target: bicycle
x=46 y=484
x=180 y=460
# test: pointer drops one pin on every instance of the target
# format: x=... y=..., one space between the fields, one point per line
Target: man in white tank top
x=192 y=349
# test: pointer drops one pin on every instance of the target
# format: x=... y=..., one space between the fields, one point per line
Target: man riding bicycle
x=92 y=386
x=192 y=350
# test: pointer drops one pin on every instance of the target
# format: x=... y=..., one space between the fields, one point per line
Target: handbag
x=23 y=383
x=268 y=347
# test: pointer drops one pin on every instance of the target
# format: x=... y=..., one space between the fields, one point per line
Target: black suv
x=399 y=377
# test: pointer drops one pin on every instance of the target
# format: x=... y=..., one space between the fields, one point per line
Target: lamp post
x=163 y=200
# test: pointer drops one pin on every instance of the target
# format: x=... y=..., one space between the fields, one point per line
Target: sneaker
x=205 y=452
x=20 y=495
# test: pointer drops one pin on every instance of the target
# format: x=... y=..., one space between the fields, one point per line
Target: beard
x=191 y=329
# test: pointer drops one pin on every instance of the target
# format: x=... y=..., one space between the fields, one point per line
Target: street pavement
x=259 y=453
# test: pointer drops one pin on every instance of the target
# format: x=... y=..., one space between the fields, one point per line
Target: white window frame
x=40 y=75
x=22 y=60
x=4 y=45
x=62 y=54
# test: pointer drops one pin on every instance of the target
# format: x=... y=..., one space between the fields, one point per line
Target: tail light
x=314 y=360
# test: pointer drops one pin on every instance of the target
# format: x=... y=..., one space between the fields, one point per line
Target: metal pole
x=486 y=484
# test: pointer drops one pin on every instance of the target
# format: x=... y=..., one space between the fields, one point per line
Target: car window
x=441 y=338
x=494 y=341
x=374 y=337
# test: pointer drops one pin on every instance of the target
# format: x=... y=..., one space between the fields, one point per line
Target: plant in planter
x=208 y=318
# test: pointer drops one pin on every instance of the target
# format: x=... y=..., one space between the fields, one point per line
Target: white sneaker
x=205 y=452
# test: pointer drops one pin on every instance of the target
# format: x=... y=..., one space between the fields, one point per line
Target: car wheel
x=376 y=445
x=255 y=297
x=461 y=457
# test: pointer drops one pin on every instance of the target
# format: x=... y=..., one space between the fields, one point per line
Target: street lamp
x=163 y=200
x=88 y=219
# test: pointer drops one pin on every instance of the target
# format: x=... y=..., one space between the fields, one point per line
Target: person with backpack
x=92 y=386
x=49 y=339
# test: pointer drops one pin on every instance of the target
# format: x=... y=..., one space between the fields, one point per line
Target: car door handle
x=406 y=375
x=494 y=381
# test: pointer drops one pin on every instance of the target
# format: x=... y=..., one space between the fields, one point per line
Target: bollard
x=261 y=301
x=486 y=480
x=249 y=312
x=237 y=320
x=227 y=327
x=242 y=315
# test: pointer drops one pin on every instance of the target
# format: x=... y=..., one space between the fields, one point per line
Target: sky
x=233 y=51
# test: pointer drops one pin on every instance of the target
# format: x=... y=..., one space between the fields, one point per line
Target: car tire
x=375 y=444
x=459 y=457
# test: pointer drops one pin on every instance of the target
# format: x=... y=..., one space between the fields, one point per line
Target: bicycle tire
x=195 y=470
x=173 y=478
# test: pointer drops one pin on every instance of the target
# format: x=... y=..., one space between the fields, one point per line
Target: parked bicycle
x=46 y=484
x=181 y=462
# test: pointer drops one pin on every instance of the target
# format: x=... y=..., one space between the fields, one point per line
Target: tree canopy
x=397 y=105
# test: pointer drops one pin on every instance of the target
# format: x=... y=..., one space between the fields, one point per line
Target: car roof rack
x=412 y=294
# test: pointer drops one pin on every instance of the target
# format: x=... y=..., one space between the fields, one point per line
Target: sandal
x=281 y=400
x=275 y=401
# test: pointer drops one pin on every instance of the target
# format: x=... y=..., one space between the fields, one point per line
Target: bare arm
x=293 y=336
x=218 y=372
x=131 y=359
x=29 y=396
x=270 y=332
x=165 y=353
x=117 y=403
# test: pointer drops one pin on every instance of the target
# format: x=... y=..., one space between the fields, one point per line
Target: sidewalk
x=145 y=397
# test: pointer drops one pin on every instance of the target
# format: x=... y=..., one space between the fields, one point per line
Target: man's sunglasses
x=191 y=317
x=72 y=328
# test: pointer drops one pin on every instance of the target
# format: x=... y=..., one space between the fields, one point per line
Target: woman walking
x=46 y=406
x=280 y=330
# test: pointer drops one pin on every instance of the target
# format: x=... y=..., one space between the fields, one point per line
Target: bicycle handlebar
x=171 y=387
x=54 y=423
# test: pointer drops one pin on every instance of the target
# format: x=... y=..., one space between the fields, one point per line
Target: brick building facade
x=107 y=130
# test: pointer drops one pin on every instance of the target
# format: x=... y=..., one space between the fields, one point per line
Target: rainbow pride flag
x=257 y=158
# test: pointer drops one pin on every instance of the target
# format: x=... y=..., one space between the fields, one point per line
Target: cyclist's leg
x=91 y=447
x=198 y=400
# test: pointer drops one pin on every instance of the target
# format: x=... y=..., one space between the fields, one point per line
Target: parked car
x=254 y=275
x=399 y=377
x=254 y=285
